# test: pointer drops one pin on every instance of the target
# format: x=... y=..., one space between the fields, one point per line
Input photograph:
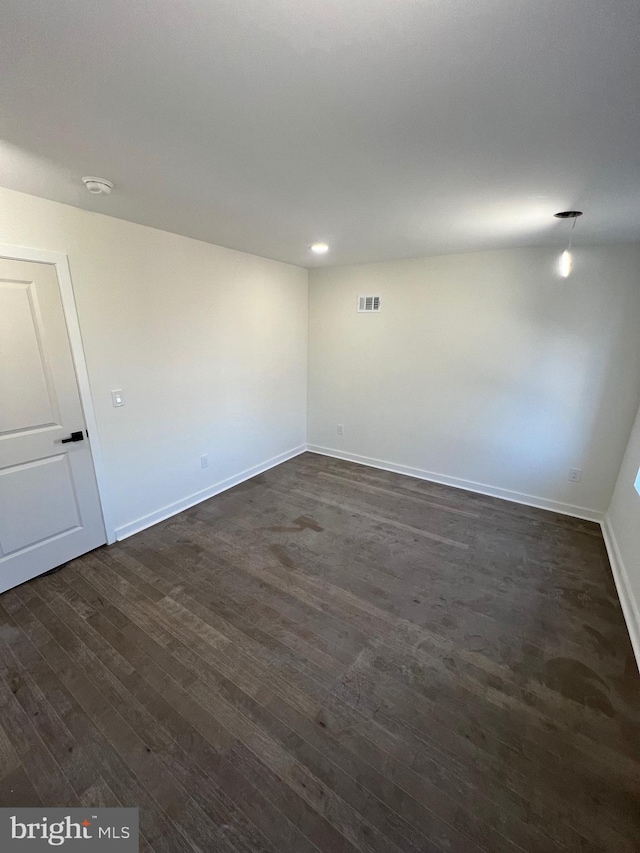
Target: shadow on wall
x=554 y=400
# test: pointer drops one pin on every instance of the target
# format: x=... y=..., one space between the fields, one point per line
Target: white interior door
x=49 y=504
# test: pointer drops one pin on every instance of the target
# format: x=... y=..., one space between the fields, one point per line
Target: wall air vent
x=368 y=303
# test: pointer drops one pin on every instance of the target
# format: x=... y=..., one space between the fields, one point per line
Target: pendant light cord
x=571 y=234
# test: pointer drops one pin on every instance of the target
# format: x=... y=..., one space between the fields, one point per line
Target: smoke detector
x=97 y=186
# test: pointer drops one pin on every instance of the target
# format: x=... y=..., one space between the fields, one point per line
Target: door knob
x=75 y=436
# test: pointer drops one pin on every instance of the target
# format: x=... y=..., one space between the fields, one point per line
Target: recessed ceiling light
x=319 y=248
x=97 y=186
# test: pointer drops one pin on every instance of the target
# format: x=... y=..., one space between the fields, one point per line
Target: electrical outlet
x=204 y=460
x=340 y=429
x=575 y=475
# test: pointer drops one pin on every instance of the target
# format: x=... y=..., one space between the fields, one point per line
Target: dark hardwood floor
x=332 y=658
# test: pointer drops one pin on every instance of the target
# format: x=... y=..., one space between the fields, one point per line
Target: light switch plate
x=116 y=397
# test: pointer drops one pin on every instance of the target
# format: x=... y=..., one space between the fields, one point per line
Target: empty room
x=319 y=426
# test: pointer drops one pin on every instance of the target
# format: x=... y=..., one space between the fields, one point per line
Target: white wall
x=622 y=531
x=208 y=344
x=483 y=369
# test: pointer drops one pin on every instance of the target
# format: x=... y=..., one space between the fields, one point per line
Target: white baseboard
x=191 y=500
x=621 y=579
x=468 y=485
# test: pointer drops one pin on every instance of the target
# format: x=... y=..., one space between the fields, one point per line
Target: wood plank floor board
x=154 y=822
x=249 y=613
x=195 y=605
x=43 y=771
x=28 y=677
x=99 y=795
x=335 y=636
x=491 y=588
x=276 y=820
x=16 y=789
x=333 y=658
x=311 y=823
x=270 y=606
x=9 y=760
x=416 y=599
x=356 y=781
x=269 y=714
x=523 y=577
x=289 y=770
x=203 y=788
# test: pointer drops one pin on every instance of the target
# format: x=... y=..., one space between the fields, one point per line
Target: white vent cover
x=368 y=303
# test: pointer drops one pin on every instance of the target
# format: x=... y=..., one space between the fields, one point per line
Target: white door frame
x=61 y=263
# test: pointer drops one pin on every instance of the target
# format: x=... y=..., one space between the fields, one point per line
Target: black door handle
x=75 y=436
